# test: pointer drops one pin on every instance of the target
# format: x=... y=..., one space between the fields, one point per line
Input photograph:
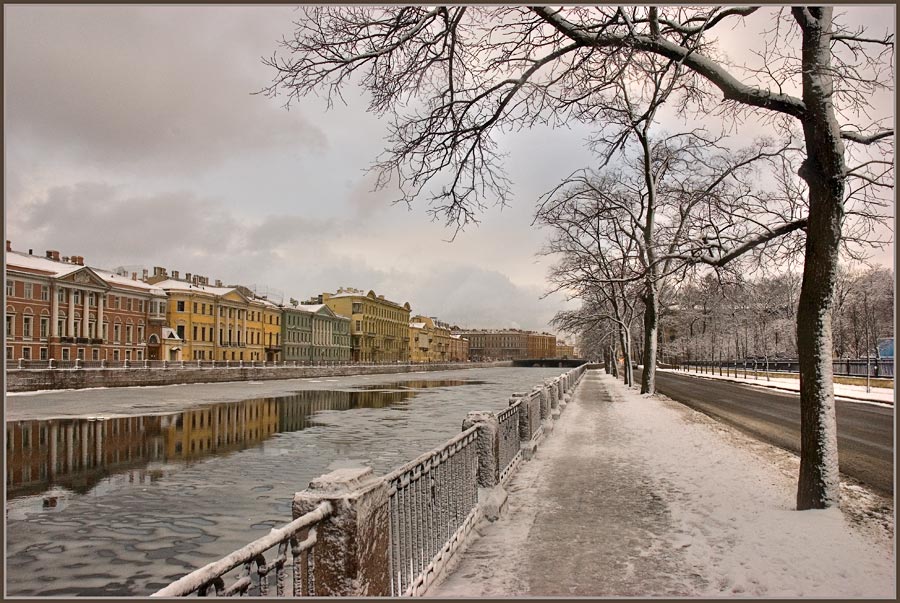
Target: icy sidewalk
x=857 y=393
x=640 y=496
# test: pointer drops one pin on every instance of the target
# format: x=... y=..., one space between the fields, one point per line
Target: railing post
x=351 y=557
x=125 y=364
x=78 y=363
x=21 y=363
x=554 y=399
x=526 y=443
x=546 y=414
x=491 y=496
x=52 y=363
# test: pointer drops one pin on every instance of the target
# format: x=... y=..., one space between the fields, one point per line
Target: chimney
x=175 y=274
x=218 y=283
x=8 y=245
x=159 y=271
x=65 y=259
x=144 y=275
x=78 y=259
x=31 y=252
x=187 y=277
x=134 y=276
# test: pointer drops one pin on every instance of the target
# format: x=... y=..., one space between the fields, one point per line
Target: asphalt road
x=865 y=431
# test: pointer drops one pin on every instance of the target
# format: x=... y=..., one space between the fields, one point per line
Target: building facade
x=314 y=333
x=488 y=344
x=58 y=308
x=429 y=340
x=216 y=322
x=379 y=328
x=459 y=349
x=564 y=350
x=541 y=345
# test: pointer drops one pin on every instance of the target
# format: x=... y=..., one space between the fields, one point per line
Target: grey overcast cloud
x=133 y=138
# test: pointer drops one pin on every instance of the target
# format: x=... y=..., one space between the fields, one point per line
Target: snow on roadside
x=856 y=393
x=732 y=500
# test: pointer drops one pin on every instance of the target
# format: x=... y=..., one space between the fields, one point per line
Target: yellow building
x=429 y=340
x=541 y=345
x=216 y=322
x=459 y=349
x=379 y=328
x=564 y=350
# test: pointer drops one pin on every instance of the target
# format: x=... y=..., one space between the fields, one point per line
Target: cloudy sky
x=133 y=139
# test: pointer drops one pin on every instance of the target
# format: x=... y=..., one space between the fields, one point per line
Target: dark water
x=122 y=506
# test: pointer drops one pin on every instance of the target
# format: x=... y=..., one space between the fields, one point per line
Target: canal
x=117 y=492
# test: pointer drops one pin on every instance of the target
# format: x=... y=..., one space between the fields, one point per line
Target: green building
x=314 y=333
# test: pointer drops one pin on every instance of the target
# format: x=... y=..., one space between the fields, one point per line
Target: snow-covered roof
x=177 y=285
x=417 y=325
x=52 y=268
x=118 y=280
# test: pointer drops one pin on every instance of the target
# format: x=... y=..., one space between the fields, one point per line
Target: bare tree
x=468 y=73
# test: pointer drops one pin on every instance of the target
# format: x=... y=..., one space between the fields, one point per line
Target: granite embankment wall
x=24 y=380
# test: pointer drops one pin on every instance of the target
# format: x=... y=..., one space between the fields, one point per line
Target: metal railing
x=433 y=503
x=844 y=367
x=510 y=449
x=299 y=536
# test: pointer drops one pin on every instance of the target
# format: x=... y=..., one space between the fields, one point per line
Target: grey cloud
x=146 y=86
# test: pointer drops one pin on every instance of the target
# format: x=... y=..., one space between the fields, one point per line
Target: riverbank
x=32 y=380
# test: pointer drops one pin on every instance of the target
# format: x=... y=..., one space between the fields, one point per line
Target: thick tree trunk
x=651 y=326
x=823 y=170
x=612 y=360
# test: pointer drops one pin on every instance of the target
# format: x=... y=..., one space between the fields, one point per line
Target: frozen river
x=117 y=492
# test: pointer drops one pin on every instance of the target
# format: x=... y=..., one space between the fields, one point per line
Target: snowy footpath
x=636 y=495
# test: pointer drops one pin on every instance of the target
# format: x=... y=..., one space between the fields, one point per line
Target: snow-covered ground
x=857 y=393
x=636 y=495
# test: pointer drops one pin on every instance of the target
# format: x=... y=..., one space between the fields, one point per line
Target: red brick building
x=58 y=308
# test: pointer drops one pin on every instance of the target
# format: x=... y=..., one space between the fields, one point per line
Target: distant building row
x=56 y=307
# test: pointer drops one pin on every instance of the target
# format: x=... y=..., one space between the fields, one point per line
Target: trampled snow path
x=640 y=496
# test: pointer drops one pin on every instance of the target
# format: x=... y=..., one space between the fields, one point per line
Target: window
x=26 y=353
x=43 y=354
x=81 y=353
x=117 y=333
x=61 y=295
x=26 y=326
x=29 y=291
x=140 y=333
x=195 y=308
x=195 y=330
x=77 y=297
x=95 y=354
x=128 y=332
x=115 y=355
x=9 y=353
x=10 y=326
x=45 y=327
x=65 y=354
x=92 y=299
x=179 y=306
x=180 y=331
x=140 y=354
x=61 y=327
x=45 y=293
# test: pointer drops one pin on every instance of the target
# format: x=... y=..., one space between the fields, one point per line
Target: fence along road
x=355 y=534
x=865 y=431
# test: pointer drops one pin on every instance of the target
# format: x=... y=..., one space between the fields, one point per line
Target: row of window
x=42 y=292
x=380 y=311
x=76 y=331
x=43 y=354
x=209 y=309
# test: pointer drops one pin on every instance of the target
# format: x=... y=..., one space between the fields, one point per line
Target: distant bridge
x=550 y=362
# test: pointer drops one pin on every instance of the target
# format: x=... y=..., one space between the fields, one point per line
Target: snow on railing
x=433 y=504
x=299 y=535
x=508 y=433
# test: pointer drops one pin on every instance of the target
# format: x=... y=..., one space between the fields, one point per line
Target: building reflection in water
x=77 y=454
